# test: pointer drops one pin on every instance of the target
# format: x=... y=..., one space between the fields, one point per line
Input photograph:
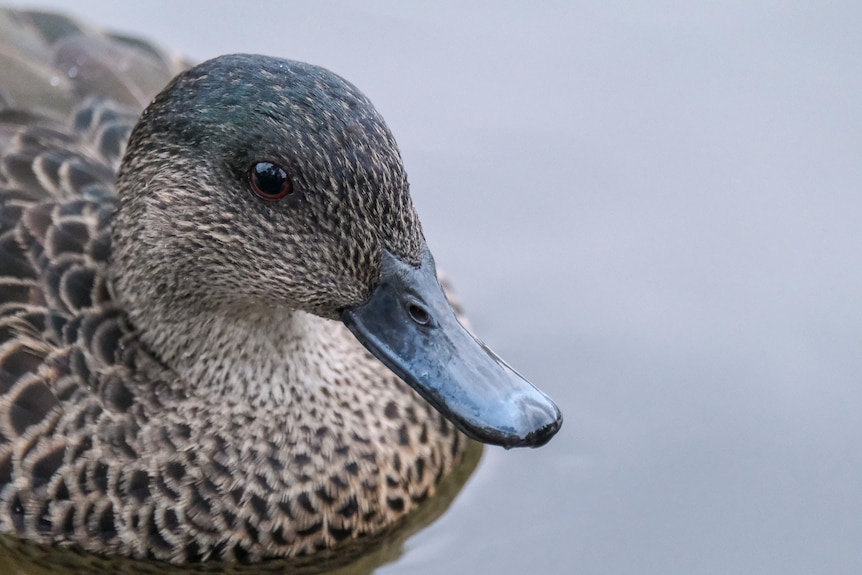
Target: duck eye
x=269 y=181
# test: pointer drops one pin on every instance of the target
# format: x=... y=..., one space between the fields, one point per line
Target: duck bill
x=408 y=324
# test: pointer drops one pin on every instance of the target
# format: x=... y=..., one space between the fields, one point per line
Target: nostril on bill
x=418 y=314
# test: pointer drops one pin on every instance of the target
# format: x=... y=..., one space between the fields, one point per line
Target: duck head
x=256 y=181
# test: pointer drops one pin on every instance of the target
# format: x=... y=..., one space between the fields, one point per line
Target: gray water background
x=652 y=210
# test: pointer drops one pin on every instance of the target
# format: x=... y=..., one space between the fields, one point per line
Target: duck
x=222 y=332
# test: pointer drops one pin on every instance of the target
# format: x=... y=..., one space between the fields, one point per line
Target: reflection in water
x=358 y=557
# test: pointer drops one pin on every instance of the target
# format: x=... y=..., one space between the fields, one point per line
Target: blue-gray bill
x=408 y=324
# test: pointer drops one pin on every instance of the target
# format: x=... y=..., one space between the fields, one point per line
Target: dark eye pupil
x=270 y=181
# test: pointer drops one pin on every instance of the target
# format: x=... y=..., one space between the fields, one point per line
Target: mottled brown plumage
x=172 y=382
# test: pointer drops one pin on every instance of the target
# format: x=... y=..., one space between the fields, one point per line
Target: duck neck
x=239 y=354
